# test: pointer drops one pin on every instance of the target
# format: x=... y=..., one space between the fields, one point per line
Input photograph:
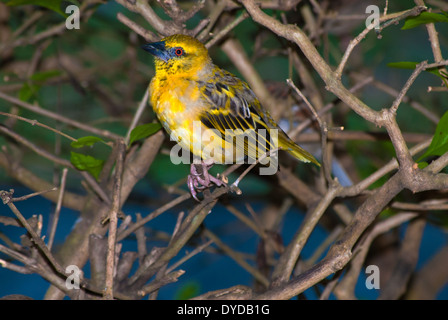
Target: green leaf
x=403 y=64
x=87 y=163
x=144 y=131
x=27 y=91
x=86 y=142
x=188 y=290
x=422 y=165
x=424 y=18
x=31 y=87
x=45 y=75
x=54 y=5
x=412 y=65
x=439 y=143
x=387 y=213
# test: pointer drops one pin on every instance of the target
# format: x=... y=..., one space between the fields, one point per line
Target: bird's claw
x=199 y=181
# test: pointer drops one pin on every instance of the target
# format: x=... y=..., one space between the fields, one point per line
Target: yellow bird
x=209 y=111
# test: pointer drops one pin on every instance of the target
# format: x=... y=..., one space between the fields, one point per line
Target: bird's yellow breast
x=178 y=104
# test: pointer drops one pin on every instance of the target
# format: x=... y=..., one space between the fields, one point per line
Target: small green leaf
x=188 y=291
x=86 y=142
x=422 y=165
x=31 y=87
x=387 y=213
x=424 y=18
x=439 y=143
x=45 y=75
x=412 y=65
x=54 y=5
x=403 y=64
x=144 y=131
x=87 y=163
x=27 y=91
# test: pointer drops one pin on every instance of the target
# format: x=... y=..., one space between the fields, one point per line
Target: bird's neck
x=187 y=70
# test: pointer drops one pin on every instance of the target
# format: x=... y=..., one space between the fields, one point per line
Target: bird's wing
x=232 y=106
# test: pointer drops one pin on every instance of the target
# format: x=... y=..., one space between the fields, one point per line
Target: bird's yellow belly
x=179 y=115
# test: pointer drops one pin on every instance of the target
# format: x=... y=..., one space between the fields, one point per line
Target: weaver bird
x=207 y=110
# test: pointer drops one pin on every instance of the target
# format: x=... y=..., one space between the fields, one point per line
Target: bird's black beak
x=157 y=49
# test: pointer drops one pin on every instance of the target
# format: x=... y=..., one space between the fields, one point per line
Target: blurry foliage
x=188 y=291
x=54 y=5
x=144 y=131
x=424 y=18
x=439 y=143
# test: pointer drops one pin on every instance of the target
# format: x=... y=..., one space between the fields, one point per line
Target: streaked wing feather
x=233 y=106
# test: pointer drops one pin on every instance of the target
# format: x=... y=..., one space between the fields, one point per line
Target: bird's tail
x=285 y=143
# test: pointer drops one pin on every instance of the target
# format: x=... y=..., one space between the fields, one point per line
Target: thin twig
x=35 y=38
x=394 y=93
x=346 y=287
x=157 y=284
x=37 y=149
x=433 y=36
x=288 y=259
x=25 y=197
x=353 y=43
x=16 y=268
x=247 y=221
x=224 y=31
x=141 y=240
x=428 y=205
x=138 y=114
x=294 y=132
x=113 y=220
x=58 y=117
x=5 y=196
x=147 y=34
x=418 y=69
x=213 y=17
x=407 y=260
x=324 y=133
x=238 y=259
x=189 y=256
x=144 y=9
x=178 y=224
x=391 y=165
x=307 y=103
x=234 y=186
x=37 y=123
x=152 y=215
x=57 y=211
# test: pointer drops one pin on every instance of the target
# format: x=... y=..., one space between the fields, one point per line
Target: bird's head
x=178 y=54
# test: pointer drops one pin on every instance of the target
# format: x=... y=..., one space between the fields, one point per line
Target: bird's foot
x=201 y=179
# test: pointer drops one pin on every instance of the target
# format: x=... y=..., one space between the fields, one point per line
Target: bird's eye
x=179 y=51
